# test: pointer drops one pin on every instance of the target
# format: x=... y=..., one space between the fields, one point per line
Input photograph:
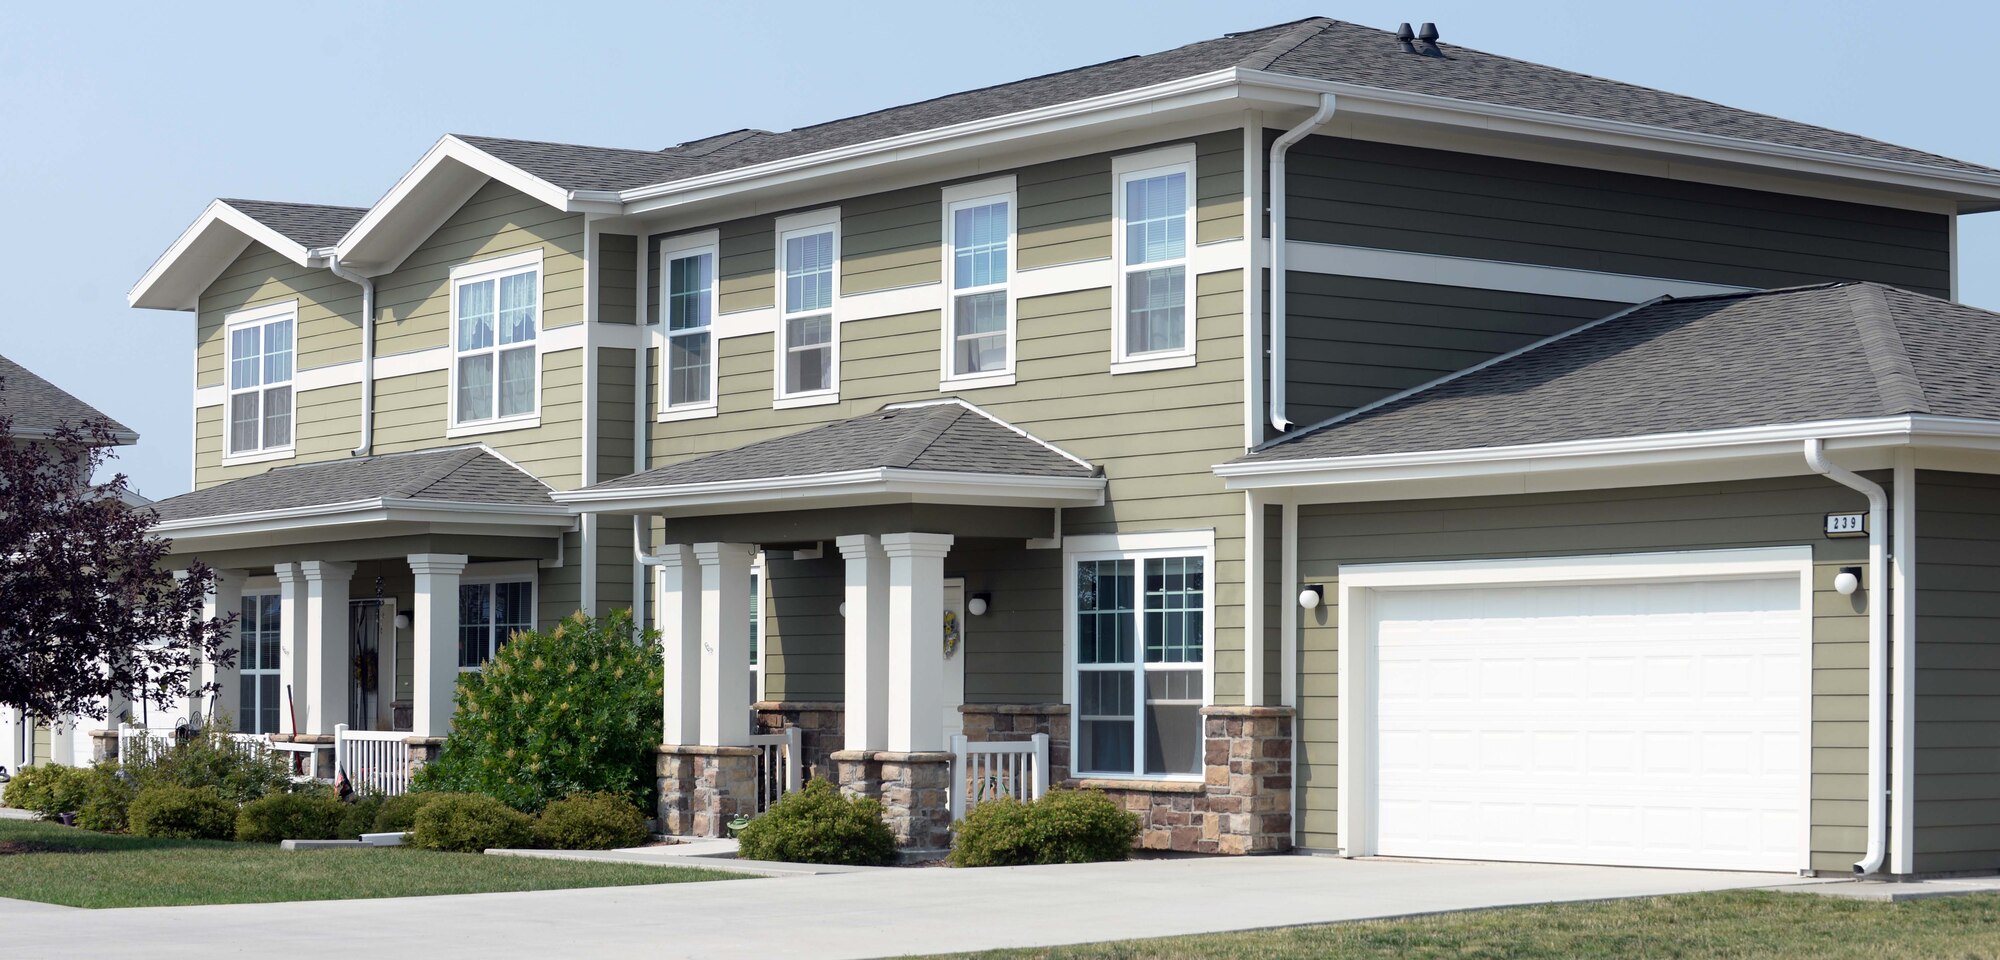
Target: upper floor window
x=1154 y=203
x=689 y=301
x=808 y=361
x=496 y=315
x=979 y=317
x=262 y=343
x=488 y=614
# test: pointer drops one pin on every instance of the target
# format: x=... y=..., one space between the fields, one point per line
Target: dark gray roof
x=1316 y=48
x=1827 y=352
x=948 y=436
x=455 y=474
x=307 y=224
x=37 y=406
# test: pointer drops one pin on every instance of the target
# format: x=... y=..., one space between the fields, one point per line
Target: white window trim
x=757 y=568
x=258 y=316
x=1179 y=158
x=480 y=574
x=1139 y=547
x=979 y=193
x=671 y=249
x=488 y=269
x=813 y=221
x=243 y=709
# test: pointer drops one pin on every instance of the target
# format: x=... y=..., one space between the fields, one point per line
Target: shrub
x=818 y=825
x=290 y=816
x=46 y=790
x=182 y=813
x=573 y=710
x=358 y=815
x=470 y=824
x=591 y=821
x=106 y=797
x=1064 y=826
x=211 y=758
x=399 y=813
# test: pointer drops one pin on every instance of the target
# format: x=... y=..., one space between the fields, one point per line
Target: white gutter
x=1878 y=649
x=367 y=445
x=1903 y=590
x=1279 y=188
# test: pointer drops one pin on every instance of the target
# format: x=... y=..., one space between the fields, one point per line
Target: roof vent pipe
x=367 y=445
x=1404 y=36
x=1428 y=36
x=1279 y=189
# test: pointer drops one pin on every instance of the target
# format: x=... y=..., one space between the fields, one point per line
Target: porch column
x=725 y=643
x=867 y=649
x=916 y=640
x=434 y=632
x=225 y=597
x=677 y=615
x=327 y=644
x=294 y=666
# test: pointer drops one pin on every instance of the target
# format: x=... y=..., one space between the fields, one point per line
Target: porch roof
x=941 y=451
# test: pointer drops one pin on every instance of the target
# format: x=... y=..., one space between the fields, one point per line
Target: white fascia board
x=202 y=252
x=377 y=232
x=376 y=510
x=882 y=484
x=1496 y=118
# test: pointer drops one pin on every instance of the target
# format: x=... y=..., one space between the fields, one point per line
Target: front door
x=371 y=644
x=954 y=657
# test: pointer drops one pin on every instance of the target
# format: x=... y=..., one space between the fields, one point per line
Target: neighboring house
x=37 y=409
x=1013 y=351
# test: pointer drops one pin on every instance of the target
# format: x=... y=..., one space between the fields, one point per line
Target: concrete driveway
x=874 y=913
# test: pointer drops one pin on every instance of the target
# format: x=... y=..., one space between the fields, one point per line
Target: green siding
x=1218 y=191
x=617 y=278
x=891 y=240
x=746 y=268
x=1958 y=672
x=329 y=311
x=410 y=414
x=1754 y=513
x=616 y=379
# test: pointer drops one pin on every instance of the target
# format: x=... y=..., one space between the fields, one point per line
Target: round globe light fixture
x=1310 y=597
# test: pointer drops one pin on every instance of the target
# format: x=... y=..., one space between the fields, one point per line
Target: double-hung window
x=489 y=613
x=1154 y=216
x=808 y=361
x=496 y=318
x=688 y=303
x=979 y=262
x=258 y=645
x=1141 y=649
x=262 y=343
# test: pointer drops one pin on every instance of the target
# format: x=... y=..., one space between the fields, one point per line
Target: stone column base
x=423 y=751
x=821 y=722
x=1242 y=804
x=915 y=792
x=1015 y=722
x=103 y=746
x=703 y=788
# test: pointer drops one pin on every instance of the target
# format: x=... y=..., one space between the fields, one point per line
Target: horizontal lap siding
x=1958 y=672
x=617 y=278
x=890 y=240
x=1433 y=201
x=1754 y=513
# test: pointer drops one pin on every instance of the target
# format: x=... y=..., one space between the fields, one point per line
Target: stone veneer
x=914 y=789
x=703 y=788
x=1243 y=803
x=822 y=725
x=1015 y=722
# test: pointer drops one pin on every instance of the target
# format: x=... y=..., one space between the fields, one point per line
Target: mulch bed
x=35 y=846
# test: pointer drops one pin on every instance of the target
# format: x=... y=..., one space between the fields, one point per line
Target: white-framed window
x=1152 y=231
x=496 y=319
x=259 y=690
x=808 y=360
x=489 y=612
x=756 y=622
x=1140 y=616
x=979 y=274
x=688 y=307
x=262 y=347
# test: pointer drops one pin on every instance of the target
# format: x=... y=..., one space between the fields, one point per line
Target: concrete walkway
x=873 y=913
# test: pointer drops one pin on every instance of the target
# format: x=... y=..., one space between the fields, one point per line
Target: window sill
x=494 y=426
x=687 y=413
x=950 y=384
x=1149 y=364
x=810 y=400
x=260 y=456
x=1138 y=785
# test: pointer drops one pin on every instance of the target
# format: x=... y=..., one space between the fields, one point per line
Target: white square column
x=434 y=636
x=225 y=597
x=916 y=640
x=725 y=643
x=867 y=648
x=677 y=615
x=327 y=644
x=294 y=666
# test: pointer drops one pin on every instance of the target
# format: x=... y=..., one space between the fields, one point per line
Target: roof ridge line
x=431 y=479
x=982 y=411
x=1896 y=380
x=1287 y=42
x=907 y=450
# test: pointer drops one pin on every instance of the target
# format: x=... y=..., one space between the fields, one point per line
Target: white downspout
x=1279 y=187
x=1903 y=586
x=367 y=285
x=1878 y=650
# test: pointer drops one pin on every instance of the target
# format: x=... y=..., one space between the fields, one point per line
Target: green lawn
x=78 y=868
x=1707 y=926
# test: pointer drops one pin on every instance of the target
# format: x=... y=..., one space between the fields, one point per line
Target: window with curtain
x=979 y=332
x=497 y=316
x=1141 y=643
x=260 y=379
x=1153 y=207
x=806 y=329
x=259 y=689
x=489 y=613
x=690 y=334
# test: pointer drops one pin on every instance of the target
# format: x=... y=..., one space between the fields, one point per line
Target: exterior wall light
x=1310 y=597
x=1847 y=581
x=402 y=621
x=978 y=604
x=843 y=609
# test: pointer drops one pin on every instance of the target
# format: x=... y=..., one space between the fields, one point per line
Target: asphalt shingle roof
x=949 y=437
x=1805 y=354
x=1318 y=48
x=457 y=474
x=37 y=406
x=308 y=224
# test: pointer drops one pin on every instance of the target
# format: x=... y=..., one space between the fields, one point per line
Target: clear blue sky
x=118 y=122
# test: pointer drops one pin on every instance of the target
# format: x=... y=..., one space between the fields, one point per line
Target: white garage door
x=1655 y=724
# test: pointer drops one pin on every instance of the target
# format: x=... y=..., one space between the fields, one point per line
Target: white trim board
x=428 y=360
x=1436 y=269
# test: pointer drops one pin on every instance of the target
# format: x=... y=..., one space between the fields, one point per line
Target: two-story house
x=984 y=416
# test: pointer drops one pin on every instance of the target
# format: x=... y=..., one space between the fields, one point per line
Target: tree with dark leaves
x=88 y=608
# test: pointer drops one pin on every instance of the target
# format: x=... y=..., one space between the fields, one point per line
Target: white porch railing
x=780 y=764
x=302 y=760
x=376 y=761
x=983 y=771
x=134 y=742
